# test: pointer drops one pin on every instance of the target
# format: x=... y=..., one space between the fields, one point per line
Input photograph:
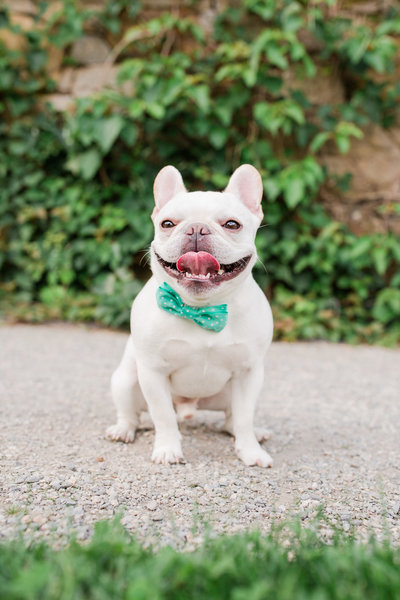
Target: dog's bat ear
x=246 y=184
x=167 y=184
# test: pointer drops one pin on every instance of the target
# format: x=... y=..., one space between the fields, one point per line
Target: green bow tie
x=213 y=318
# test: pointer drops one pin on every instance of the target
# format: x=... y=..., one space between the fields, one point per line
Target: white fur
x=170 y=361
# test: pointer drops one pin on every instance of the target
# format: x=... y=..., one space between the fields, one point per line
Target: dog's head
x=204 y=241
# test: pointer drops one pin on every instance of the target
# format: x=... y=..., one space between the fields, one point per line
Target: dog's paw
x=262 y=434
x=167 y=455
x=255 y=457
x=123 y=431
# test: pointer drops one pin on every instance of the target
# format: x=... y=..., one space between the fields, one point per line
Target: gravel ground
x=333 y=410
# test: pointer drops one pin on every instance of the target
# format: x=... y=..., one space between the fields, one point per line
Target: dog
x=201 y=326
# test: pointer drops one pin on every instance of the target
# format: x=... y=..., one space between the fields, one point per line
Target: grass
x=287 y=564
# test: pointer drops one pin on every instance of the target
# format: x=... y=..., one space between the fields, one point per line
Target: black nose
x=196 y=233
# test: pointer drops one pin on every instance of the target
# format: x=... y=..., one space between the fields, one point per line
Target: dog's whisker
x=145 y=257
x=262 y=264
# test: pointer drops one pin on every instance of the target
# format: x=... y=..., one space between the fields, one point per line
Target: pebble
x=33 y=478
x=157 y=517
x=114 y=500
x=396 y=508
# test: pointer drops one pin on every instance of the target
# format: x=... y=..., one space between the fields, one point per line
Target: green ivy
x=76 y=188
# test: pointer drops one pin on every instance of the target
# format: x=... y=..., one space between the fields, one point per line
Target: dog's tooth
x=221 y=271
x=208 y=275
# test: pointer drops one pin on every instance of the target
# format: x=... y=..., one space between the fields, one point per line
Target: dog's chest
x=200 y=370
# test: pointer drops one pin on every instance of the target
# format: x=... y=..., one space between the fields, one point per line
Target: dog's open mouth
x=203 y=267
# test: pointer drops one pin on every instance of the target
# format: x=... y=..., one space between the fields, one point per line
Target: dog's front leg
x=156 y=390
x=246 y=388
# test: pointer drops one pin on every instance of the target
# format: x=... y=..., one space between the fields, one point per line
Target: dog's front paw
x=254 y=457
x=167 y=454
x=123 y=431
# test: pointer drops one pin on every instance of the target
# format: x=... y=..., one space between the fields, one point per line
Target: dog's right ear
x=167 y=184
x=246 y=184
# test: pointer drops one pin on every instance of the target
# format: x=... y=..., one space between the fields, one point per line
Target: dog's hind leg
x=245 y=392
x=262 y=434
x=127 y=397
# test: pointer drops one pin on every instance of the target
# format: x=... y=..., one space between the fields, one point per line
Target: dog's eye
x=231 y=224
x=167 y=224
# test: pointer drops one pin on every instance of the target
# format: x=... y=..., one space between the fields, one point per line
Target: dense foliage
x=113 y=565
x=76 y=188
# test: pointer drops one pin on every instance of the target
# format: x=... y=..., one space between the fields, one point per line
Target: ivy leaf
x=380 y=259
x=377 y=61
x=155 y=110
x=37 y=59
x=271 y=188
x=309 y=66
x=201 y=96
x=276 y=57
x=360 y=248
x=218 y=137
x=263 y=114
x=224 y=113
x=387 y=305
x=319 y=140
x=295 y=112
x=129 y=133
x=107 y=131
x=136 y=108
x=293 y=192
x=85 y=164
x=342 y=142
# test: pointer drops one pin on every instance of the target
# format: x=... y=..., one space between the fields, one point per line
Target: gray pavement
x=333 y=410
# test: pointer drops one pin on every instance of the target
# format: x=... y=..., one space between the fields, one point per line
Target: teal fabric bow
x=213 y=318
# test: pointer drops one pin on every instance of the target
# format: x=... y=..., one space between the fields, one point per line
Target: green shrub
x=76 y=188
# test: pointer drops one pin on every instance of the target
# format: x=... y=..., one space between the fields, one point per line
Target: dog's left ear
x=246 y=184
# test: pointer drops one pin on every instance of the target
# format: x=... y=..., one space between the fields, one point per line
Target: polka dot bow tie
x=213 y=318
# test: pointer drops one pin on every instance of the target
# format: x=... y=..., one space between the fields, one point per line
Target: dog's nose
x=197 y=230
x=196 y=237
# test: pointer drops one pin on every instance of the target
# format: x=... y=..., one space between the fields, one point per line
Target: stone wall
x=92 y=55
x=369 y=204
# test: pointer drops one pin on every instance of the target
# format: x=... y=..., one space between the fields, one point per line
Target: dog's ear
x=246 y=184
x=167 y=184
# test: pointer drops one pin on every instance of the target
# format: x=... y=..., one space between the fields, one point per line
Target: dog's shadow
x=204 y=421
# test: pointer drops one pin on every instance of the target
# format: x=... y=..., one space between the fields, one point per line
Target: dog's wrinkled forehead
x=205 y=207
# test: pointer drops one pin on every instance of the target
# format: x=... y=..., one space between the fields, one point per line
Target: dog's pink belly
x=190 y=382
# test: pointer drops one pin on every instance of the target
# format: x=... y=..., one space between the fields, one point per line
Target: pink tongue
x=197 y=263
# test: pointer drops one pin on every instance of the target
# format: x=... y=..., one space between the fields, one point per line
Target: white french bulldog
x=201 y=326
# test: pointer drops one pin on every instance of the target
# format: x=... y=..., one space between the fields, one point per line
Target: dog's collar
x=213 y=318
